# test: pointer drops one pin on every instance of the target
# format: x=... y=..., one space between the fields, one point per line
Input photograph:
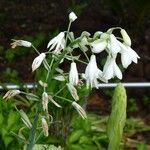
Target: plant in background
x=63 y=90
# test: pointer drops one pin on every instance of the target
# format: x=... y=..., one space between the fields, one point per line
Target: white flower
x=73 y=91
x=20 y=43
x=57 y=42
x=125 y=37
x=73 y=74
x=92 y=73
x=127 y=55
x=98 y=46
x=45 y=101
x=111 y=69
x=37 y=61
x=11 y=93
x=45 y=126
x=72 y=16
x=113 y=45
x=79 y=109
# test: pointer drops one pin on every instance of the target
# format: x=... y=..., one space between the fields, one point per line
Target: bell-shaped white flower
x=125 y=37
x=98 y=46
x=37 y=61
x=111 y=69
x=72 y=16
x=127 y=55
x=57 y=43
x=113 y=45
x=73 y=74
x=92 y=73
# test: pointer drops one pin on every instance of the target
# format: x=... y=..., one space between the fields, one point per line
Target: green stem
x=68 y=100
x=84 y=53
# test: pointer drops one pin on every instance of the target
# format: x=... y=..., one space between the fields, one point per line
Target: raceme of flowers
x=62 y=47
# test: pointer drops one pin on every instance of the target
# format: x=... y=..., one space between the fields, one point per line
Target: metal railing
x=102 y=85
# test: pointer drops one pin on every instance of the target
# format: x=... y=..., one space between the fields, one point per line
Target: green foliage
x=10 y=75
x=87 y=134
x=9 y=121
x=132 y=106
x=116 y=121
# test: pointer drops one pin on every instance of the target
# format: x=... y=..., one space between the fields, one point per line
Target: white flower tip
x=25 y=43
x=72 y=16
x=126 y=37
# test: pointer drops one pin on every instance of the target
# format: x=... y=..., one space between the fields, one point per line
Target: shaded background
x=38 y=21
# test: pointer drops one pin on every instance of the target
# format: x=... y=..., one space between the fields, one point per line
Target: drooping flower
x=11 y=93
x=125 y=37
x=57 y=43
x=79 y=109
x=37 y=61
x=92 y=73
x=45 y=126
x=98 y=45
x=20 y=43
x=72 y=16
x=73 y=74
x=113 y=45
x=111 y=69
x=127 y=55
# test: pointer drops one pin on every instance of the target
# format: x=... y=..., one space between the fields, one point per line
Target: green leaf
x=25 y=119
x=75 y=136
x=116 y=121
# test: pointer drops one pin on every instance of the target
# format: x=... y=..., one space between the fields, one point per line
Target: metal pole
x=127 y=85
x=102 y=85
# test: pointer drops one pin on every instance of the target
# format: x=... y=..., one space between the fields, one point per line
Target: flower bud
x=73 y=91
x=125 y=37
x=79 y=109
x=72 y=16
x=20 y=43
x=45 y=101
x=37 y=61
